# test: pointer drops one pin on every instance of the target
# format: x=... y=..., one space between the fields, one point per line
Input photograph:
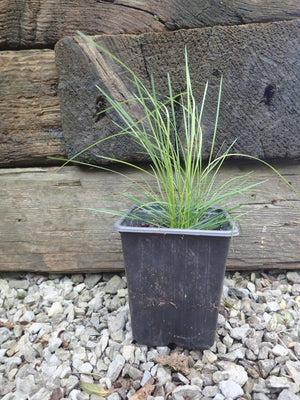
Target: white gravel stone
x=209 y=356
x=63 y=370
x=251 y=287
x=146 y=378
x=113 y=396
x=278 y=382
x=221 y=348
x=163 y=375
x=293 y=370
x=2 y=352
x=197 y=381
x=122 y=292
x=25 y=386
x=18 y=284
x=54 y=343
x=241 y=332
x=42 y=394
x=293 y=276
x=237 y=354
x=11 y=363
x=139 y=355
x=101 y=366
x=114 y=284
x=219 y=376
x=219 y=396
x=127 y=352
x=279 y=350
x=4 y=335
x=228 y=340
x=266 y=366
x=91 y=280
x=238 y=292
x=56 y=308
x=288 y=395
x=272 y=322
x=187 y=391
x=32 y=299
x=29 y=353
x=260 y=396
x=230 y=389
x=235 y=372
x=116 y=323
x=115 y=368
x=135 y=373
x=273 y=306
x=163 y=350
x=210 y=391
x=74 y=394
x=86 y=367
x=103 y=343
x=257 y=344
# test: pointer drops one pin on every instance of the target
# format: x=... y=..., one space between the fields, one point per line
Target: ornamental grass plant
x=185 y=187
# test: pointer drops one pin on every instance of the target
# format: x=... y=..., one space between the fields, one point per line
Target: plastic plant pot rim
x=233 y=232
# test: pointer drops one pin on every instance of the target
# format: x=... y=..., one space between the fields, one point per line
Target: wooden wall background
x=46 y=231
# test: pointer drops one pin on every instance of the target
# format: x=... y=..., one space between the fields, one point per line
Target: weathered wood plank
x=31 y=24
x=251 y=58
x=31 y=130
x=45 y=228
x=30 y=126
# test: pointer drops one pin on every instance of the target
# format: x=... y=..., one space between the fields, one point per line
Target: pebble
x=288 y=395
x=230 y=389
x=19 y=283
x=127 y=352
x=266 y=366
x=56 y=308
x=210 y=391
x=278 y=383
x=114 y=284
x=56 y=326
x=186 y=391
x=209 y=356
x=279 y=350
x=146 y=378
x=293 y=370
x=235 y=372
x=136 y=373
x=115 y=368
x=273 y=306
x=293 y=276
x=163 y=375
x=240 y=332
x=91 y=280
x=238 y=292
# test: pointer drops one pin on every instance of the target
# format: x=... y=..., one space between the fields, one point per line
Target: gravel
x=57 y=330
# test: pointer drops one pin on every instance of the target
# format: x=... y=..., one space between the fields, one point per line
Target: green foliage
x=185 y=187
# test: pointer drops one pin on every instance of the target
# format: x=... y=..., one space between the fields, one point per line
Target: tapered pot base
x=175 y=282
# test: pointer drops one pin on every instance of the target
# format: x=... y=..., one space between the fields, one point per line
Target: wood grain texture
x=30 y=126
x=31 y=129
x=41 y=23
x=251 y=58
x=45 y=228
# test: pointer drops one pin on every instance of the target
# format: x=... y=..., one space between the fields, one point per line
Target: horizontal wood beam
x=42 y=23
x=45 y=228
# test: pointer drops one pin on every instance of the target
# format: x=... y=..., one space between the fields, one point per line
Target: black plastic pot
x=175 y=280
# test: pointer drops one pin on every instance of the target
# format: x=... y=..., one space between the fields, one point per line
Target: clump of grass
x=185 y=188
